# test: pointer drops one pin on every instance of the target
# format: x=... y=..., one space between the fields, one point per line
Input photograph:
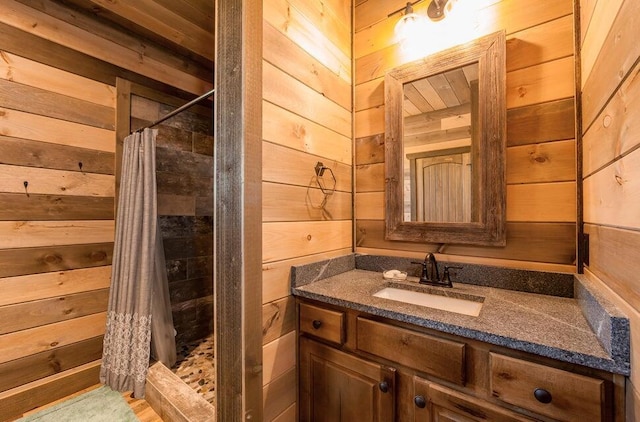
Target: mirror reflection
x=440 y=122
x=445 y=146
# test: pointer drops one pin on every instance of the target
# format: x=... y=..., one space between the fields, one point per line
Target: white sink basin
x=444 y=303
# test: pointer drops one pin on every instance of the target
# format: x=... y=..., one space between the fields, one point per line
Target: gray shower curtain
x=138 y=276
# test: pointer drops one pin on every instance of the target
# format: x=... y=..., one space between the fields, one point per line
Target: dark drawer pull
x=384 y=387
x=542 y=395
x=420 y=401
x=316 y=323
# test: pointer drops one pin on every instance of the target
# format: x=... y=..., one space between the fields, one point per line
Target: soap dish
x=395 y=275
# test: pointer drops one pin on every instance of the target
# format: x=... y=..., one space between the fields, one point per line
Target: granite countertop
x=542 y=324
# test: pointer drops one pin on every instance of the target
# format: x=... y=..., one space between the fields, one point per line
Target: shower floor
x=195 y=366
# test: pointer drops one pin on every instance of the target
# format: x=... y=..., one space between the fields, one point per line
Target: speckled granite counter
x=545 y=325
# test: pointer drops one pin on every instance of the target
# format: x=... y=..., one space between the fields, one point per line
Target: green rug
x=99 y=405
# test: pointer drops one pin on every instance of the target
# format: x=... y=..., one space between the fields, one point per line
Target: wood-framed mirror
x=445 y=143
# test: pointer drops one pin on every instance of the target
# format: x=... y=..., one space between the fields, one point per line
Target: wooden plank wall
x=611 y=159
x=306 y=118
x=58 y=72
x=541 y=171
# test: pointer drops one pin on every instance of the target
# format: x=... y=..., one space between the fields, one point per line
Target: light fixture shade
x=410 y=27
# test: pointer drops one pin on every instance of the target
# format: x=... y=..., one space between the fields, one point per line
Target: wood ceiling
x=444 y=90
x=181 y=26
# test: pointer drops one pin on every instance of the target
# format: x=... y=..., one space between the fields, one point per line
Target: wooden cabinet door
x=336 y=386
x=435 y=403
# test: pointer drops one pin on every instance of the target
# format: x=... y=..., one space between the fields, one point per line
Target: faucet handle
x=424 y=276
x=446 y=276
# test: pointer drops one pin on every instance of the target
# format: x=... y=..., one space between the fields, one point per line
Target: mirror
x=445 y=119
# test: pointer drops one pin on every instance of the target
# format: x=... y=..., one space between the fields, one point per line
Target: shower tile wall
x=184 y=158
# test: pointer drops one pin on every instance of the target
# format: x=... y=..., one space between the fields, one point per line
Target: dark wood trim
x=238 y=222
x=581 y=253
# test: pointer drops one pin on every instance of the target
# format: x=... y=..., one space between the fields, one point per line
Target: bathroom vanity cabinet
x=359 y=367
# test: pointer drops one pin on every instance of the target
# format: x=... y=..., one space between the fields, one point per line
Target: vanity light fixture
x=438 y=9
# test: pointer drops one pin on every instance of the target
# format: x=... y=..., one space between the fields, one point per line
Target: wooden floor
x=140 y=407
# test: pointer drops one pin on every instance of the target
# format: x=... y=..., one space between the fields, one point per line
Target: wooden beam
x=238 y=224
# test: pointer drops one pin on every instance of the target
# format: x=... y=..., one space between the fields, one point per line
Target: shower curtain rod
x=178 y=110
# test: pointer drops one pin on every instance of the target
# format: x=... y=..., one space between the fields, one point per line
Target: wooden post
x=238 y=209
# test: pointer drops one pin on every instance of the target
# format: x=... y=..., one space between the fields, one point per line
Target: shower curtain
x=139 y=286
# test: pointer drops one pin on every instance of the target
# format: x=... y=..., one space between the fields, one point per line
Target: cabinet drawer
x=322 y=323
x=431 y=355
x=572 y=396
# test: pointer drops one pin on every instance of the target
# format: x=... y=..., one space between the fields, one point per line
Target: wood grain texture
x=322 y=323
x=541 y=242
x=512 y=381
x=276 y=282
x=282 y=202
x=541 y=43
x=40 y=339
x=613 y=133
x=238 y=224
x=89 y=17
x=51 y=207
x=613 y=67
x=300 y=168
x=369 y=94
x=15 y=402
x=14 y=262
x=531 y=202
x=23 y=316
x=601 y=17
x=550 y=121
x=291 y=22
x=23 y=152
x=23 y=17
x=158 y=19
x=612 y=195
x=19 y=124
x=54 y=182
x=613 y=258
x=33 y=287
x=544 y=82
x=370 y=149
x=33 y=234
x=547 y=162
x=279 y=398
x=286 y=128
x=288 y=240
x=285 y=54
x=42 y=102
x=446 y=358
x=31 y=368
x=278 y=319
x=293 y=95
x=21 y=70
x=279 y=356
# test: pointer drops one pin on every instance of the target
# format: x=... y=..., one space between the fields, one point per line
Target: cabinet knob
x=542 y=395
x=420 y=401
x=316 y=323
x=384 y=387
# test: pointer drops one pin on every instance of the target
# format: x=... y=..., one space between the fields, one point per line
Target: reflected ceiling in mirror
x=445 y=136
x=439 y=114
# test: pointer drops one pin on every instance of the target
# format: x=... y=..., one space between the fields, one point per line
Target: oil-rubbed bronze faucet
x=431 y=275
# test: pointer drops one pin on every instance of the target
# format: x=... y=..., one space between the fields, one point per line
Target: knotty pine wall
x=541 y=171
x=58 y=72
x=306 y=118
x=611 y=160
